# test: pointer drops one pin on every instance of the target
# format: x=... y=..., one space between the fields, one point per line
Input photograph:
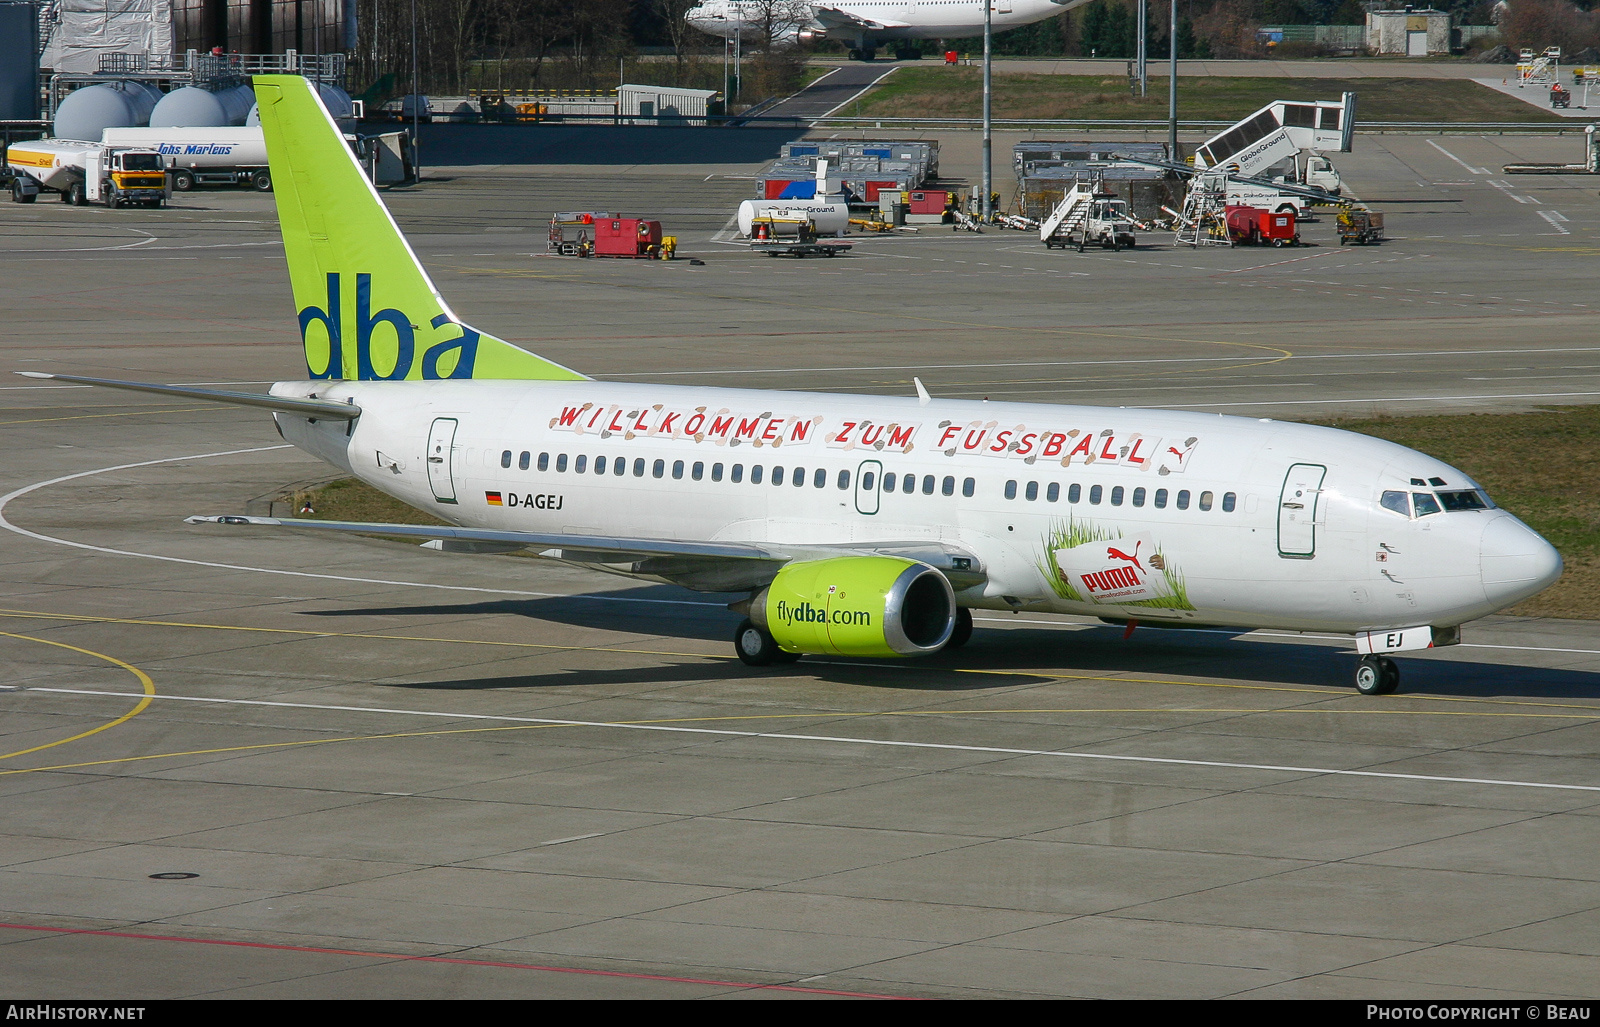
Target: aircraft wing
x=706 y=566
x=324 y=408
x=833 y=18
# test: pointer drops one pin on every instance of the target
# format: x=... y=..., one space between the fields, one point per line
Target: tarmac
x=263 y=765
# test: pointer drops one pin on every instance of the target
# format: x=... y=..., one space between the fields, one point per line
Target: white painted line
x=1553 y=216
x=845 y=740
x=1386 y=399
x=856 y=96
x=1458 y=160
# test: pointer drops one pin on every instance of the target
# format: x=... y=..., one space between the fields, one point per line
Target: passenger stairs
x=1069 y=215
x=1278 y=131
x=1203 y=221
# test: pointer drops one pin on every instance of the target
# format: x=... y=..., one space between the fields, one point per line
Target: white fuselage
x=866 y=23
x=1251 y=523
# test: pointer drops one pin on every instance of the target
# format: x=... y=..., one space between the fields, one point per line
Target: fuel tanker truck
x=210 y=156
x=84 y=172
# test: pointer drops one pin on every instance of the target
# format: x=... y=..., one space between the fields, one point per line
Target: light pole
x=988 y=110
x=1144 y=79
x=1172 y=84
x=416 y=101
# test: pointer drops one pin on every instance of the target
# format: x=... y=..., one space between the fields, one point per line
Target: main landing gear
x=1377 y=675
x=757 y=648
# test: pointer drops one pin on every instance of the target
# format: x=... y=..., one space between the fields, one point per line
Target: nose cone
x=1516 y=561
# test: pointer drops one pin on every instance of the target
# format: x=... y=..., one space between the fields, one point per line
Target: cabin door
x=867 y=476
x=1297 y=511
x=441 y=449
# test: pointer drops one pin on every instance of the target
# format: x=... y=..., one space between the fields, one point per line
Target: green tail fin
x=368 y=311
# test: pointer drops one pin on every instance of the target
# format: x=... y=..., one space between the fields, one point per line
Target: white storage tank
x=86 y=113
x=830 y=217
x=193 y=107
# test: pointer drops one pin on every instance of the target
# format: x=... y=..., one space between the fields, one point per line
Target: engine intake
x=857 y=606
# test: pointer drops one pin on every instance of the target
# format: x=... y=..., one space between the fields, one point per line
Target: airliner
x=865 y=24
x=856 y=526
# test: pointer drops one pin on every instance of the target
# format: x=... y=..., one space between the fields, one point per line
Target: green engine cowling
x=857 y=606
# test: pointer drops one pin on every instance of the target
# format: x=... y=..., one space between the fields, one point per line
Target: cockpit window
x=1453 y=501
x=1426 y=504
x=1399 y=502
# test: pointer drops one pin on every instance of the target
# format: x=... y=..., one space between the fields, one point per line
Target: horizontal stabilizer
x=324 y=408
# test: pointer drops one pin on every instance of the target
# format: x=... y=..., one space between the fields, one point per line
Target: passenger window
x=1425 y=503
x=1011 y=490
x=777 y=475
x=658 y=469
x=580 y=465
x=599 y=465
x=844 y=480
x=1074 y=492
x=866 y=481
x=698 y=471
x=755 y=474
x=619 y=466
x=908 y=483
x=1205 y=500
x=1138 y=497
x=1229 y=501
x=1161 y=499
x=968 y=487
x=1399 y=502
x=1116 y=495
x=1031 y=493
x=738 y=474
x=888 y=481
x=677 y=470
x=544 y=461
x=820 y=479
x=522 y=462
x=716 y=472
x=505 y=459
x=638 y=467
x=1183 y=499
x=1095 y=492
x=561 y=464
x=799 y=477
x=948 y=486
x=927 y=484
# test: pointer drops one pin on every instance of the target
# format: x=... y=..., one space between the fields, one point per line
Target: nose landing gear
x=1377 y=675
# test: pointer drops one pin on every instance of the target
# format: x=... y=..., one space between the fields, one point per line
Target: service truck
x=84 y=172
x=203 y=156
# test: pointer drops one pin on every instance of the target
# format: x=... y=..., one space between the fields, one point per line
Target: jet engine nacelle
x=857 y=606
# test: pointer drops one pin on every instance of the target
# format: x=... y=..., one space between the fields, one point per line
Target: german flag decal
x=493 y=499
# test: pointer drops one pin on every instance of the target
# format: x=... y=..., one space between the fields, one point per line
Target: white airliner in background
x=865 y=24
x=857 y=525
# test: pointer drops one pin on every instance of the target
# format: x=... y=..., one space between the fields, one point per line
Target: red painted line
x=449 y=959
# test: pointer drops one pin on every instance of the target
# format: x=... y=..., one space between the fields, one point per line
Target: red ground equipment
x=1252 y=226
x=627 y=237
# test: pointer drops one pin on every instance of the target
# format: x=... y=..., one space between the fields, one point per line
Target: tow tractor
x=84 y=172
x=791 y=237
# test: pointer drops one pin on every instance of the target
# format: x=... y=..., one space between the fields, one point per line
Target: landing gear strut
x=757 y=648
x=1377 y=675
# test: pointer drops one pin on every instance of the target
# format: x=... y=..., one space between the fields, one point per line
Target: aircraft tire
x=754 y=645
x=962 y=632
x=1377 y=675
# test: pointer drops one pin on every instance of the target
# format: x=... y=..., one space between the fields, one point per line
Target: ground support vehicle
x=572 y=233
x=202 y=156
x=631 y=237
x=84 y=172
x=1360 y=226
x=790 y=237
x=1088 y=217
x=1252 y=226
